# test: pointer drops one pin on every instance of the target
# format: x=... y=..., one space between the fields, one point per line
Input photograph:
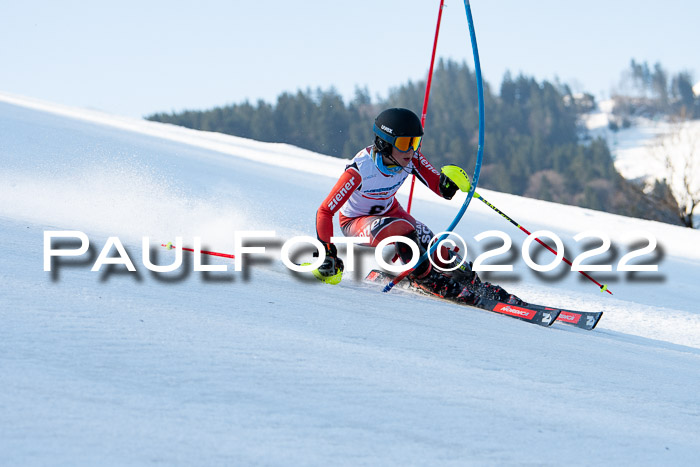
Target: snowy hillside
x=640 y=151
x=265 y=367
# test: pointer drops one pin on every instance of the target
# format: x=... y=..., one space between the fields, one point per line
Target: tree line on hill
x=532 y=136
x=651 y=91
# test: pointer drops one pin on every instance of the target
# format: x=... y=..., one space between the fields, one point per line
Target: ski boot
x=436 y=283
x=465 y=276
x=494 y=292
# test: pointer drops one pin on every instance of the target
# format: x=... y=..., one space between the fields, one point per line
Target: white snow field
x=265 y=367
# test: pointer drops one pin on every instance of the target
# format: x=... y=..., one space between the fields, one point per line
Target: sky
x=135 y=58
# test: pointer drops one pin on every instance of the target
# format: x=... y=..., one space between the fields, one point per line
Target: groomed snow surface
x=266 y=367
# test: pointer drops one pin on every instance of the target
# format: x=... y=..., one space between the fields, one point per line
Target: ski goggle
x=402 y=143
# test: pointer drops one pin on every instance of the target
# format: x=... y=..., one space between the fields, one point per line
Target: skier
x=365 y=198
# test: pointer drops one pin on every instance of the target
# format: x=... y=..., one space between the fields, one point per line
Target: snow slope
x=264 y=367
x=644 y=150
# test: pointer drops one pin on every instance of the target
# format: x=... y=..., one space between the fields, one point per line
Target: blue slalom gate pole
x=479 y=155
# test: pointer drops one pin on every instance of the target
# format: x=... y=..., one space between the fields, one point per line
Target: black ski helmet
x=395 y=122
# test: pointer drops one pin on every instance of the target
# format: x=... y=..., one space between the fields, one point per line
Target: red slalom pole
x=170 y=246
x=427 y=94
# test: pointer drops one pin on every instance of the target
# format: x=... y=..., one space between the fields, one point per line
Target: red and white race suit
x=365 y=200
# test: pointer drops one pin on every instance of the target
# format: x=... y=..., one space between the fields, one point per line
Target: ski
x=540 y=316
x=587 y=320
x=530 y=312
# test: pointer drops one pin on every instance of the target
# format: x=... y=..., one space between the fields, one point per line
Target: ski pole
x=603 y=288
x=427 y=95
x=170 y=246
